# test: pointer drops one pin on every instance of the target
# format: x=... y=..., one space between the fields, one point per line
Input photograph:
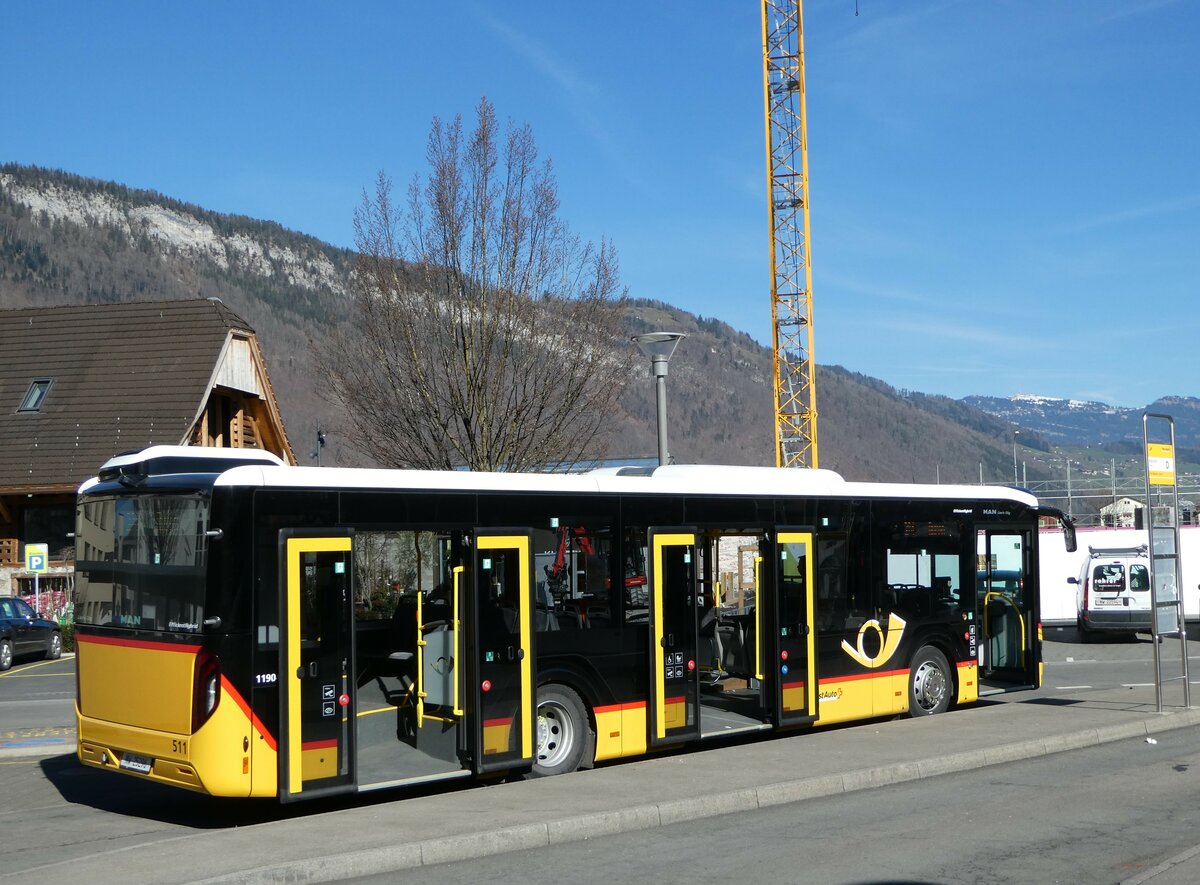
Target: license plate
x=140 y=764
x=1102 y=601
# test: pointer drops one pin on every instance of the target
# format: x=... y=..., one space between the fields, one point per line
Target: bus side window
x=574 y=577
x=836 y=606
x=637 y=593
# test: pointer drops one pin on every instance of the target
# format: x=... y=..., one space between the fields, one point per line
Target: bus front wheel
x=929 y=683
x=562 y=731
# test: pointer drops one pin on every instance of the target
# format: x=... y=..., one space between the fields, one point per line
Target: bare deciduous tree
x=483 y=333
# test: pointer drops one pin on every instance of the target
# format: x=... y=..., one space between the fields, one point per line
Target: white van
x=1113 y=591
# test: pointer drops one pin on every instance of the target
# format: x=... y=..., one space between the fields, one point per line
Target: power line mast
x=787 y=200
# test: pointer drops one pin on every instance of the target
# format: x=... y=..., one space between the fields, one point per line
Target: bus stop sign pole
x=35 y=561
x=1162 y=497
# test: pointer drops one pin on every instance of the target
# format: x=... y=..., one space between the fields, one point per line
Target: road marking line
x=20 y=674
x=1071 y=687
x=22 y=669
x=1137 y=685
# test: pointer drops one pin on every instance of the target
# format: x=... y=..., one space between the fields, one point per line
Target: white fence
x=1056 y=565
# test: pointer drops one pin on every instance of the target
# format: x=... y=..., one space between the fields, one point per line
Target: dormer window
x=35 y=395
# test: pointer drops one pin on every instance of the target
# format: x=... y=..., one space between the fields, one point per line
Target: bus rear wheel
x=562 y=731
x=929 y=683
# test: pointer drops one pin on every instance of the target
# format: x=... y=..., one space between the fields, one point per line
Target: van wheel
x=929 y=683
x=562 y=731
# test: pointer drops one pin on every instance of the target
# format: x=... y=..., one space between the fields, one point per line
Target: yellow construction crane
x=787 y=199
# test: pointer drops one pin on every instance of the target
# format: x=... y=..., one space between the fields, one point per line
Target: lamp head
x=658 y=346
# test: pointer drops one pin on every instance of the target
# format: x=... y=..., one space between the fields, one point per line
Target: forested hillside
x=66 y=239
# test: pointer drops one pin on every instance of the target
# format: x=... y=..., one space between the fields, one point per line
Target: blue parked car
x=25 y=632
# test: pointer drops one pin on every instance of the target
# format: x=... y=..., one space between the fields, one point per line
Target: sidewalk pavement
x=655 y=792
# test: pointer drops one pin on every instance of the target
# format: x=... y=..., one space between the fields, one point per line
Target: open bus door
x=674 y=637
x=794 y=677
x=455 y=696
x=504 y=654
x=1006 y=599
x=316 y=665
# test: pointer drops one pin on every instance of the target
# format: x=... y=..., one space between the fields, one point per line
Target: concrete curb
x=1166 y=866
x=468 y=846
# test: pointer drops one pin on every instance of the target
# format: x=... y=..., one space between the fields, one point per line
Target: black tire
x=930 y=683
x=6 y=654
x=54 y=646
x=563 y=731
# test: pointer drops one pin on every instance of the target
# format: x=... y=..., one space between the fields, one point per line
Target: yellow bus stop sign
x=1160 y=464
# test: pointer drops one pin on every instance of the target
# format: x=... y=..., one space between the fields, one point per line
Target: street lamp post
x=659 y=346
x=1016 y=479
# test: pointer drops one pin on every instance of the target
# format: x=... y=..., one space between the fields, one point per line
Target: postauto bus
x=246 y=628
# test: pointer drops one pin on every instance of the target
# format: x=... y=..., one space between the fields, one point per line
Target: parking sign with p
x=35 y=557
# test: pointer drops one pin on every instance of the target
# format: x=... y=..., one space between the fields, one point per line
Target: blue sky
x=1005 y=193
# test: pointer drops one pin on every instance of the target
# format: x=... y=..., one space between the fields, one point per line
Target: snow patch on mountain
x=1082 y=422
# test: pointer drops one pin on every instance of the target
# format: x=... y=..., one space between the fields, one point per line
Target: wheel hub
x=555 y=740
x=930 y=685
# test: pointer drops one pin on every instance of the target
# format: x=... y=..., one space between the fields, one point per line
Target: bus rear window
x=140 y=562
x=1108 y=577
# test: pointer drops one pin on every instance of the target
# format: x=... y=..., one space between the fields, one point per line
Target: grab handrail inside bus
x=420 y=664
x=455 y=621
x=987 y=597
x=758 y=673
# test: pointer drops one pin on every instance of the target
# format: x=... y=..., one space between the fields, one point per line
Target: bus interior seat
x=544 y=620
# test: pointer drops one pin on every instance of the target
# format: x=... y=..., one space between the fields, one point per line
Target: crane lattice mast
x=791 y=272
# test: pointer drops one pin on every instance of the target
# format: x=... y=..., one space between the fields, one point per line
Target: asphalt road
x=38 y=698
x=55 y=808
x=1103 y=814
x=1114 y=662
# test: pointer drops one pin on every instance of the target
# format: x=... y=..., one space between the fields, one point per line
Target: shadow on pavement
x=132 y=797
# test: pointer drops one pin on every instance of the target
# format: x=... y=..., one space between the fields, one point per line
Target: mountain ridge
x=1086 y=422
x=69 y=239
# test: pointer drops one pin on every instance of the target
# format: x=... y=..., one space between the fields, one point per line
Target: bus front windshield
x=140 y=561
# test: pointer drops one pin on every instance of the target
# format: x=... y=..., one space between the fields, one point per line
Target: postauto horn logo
x=888 y=642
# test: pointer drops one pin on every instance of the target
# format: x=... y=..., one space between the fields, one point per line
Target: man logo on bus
x=888 y=642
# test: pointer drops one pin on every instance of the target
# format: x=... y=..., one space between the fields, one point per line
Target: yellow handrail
x=420 y=664
x=458 y=570
x=1004 y=596
x=758 y=640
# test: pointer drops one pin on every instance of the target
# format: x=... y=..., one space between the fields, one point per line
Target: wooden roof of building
x=122 y=377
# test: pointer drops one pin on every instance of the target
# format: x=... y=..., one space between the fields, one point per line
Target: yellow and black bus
x=246 y=628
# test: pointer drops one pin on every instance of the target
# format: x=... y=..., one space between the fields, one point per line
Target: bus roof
x=261 y=469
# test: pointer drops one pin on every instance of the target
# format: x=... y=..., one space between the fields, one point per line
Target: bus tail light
x=206 y=690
